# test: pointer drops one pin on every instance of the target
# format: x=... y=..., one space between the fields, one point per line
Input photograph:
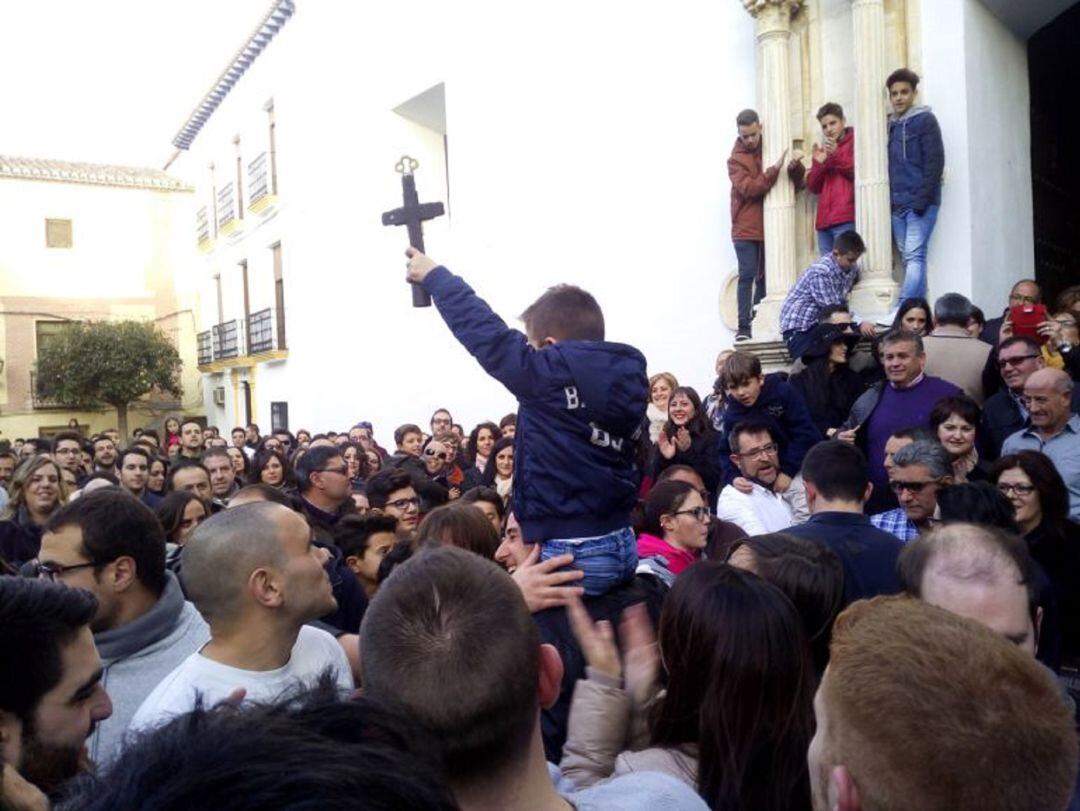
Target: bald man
x=1053 y=429
x=256 y=578
x=980 y=573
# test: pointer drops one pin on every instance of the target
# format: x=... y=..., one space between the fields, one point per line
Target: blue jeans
x=751 y=256
x=912 y=236
x=607 y=561
x=797 y=342
x=826 y=236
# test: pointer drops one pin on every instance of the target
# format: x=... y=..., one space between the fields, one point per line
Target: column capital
x=756 y=7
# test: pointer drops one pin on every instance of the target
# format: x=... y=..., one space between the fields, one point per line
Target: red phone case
x=1026 y=319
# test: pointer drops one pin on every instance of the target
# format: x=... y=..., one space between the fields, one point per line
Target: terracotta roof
x=94 y=174
x=279 y=13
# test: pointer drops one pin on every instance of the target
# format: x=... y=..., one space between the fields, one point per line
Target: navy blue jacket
x=581 y=408
x=916 y=160
x=784 y=410
x=869 y=555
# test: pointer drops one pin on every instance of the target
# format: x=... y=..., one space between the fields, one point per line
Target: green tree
x=97 y=363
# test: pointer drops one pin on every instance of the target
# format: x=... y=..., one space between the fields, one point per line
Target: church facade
x=584 y=143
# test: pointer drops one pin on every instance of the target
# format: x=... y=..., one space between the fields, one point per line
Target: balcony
x=206 y=348
x=228 y=221
x=226 y=340
x=261 y=197
x=202 y=226
x=261 y=329
x=44 y=402
x=264 y=335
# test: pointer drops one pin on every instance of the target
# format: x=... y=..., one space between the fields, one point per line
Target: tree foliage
x=96 y=363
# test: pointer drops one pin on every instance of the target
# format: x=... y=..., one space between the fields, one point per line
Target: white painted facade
x=587 y=143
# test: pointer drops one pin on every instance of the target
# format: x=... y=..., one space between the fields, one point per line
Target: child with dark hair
x=752 y=396
x=582 y=403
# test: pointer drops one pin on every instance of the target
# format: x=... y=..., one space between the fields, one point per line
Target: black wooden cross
x=412 y=215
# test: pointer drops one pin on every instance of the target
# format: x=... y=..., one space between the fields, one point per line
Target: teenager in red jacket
x=832 y=176
x=750 y=182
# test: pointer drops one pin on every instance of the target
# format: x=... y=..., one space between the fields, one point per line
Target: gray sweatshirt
x=140 y=654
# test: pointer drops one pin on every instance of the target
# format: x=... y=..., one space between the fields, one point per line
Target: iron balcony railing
x=261 y=330
x=226 y=340
x=206 y=348
x=226 y=205
x=202 y=224
x=258 y=178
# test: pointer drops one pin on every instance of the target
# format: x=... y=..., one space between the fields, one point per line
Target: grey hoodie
x=137 y=656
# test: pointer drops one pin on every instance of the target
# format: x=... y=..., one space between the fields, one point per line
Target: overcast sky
x=112 y=81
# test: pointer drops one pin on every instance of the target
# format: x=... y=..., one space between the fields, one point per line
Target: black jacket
x=20 y=538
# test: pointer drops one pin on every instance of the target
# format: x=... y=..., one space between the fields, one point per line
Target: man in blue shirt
x=837 y=487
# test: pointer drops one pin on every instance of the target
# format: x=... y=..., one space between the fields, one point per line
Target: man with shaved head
x=256 y=578
x=1053 y=429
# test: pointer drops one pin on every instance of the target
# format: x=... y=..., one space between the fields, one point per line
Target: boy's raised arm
x=503 y=352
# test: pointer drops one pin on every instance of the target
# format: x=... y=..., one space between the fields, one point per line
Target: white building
x=87 y=241
x=581 y=142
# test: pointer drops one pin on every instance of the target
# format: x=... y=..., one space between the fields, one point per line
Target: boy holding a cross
x=582 y=404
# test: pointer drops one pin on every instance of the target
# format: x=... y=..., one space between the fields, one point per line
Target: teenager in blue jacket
x=582 y=403
x=916 y=162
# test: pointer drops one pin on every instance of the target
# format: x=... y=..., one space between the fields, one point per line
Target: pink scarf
x=649 y=546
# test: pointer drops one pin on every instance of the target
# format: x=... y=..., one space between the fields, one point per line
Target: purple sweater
x=900 y=408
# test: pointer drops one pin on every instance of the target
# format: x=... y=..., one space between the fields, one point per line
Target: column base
x=773 y=355
x=874 y=297
x=766 y=323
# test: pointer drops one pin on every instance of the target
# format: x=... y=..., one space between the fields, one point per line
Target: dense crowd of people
x=809 y=573
x=853 y=585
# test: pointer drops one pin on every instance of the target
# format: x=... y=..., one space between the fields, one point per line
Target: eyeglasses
x=911 y=487
x=440 y=455
x=52 y=571
x=341 y=471
x=764 y=450
x=1022 y=490
x=699 y=513
x=1016 y=361
x=404 y=503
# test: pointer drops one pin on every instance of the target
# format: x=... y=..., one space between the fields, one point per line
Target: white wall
x=975 y=78
x=587 y=144
x=999 y=140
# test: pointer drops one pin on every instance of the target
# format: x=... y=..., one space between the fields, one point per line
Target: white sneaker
x=887 y=319
x=742 y=337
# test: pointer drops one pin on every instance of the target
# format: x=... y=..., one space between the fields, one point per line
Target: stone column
x=774 y=106
x=876 y=290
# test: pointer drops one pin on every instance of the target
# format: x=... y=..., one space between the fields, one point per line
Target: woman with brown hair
x=735 y=718
x=37 y=491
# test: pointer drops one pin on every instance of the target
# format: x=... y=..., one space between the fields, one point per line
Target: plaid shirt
x=824 y=284
x=896 y=522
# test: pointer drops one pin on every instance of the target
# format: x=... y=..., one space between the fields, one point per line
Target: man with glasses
x=112 y=545
x=919 y=471
x=1024 y=292
x=325 y=490
x=441 y=421
x=1054 y=429
x=757 y=456
x=837 y=489
x=391 y=492
x=1005 y=412
x=67 y=451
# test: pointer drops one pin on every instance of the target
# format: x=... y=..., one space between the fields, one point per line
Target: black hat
x=823 y=336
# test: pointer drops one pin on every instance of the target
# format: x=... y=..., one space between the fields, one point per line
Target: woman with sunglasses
x=1041 y=501
x=674 y=529
x=440 y=466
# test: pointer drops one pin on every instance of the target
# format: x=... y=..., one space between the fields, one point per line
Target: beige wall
x=126 y=261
